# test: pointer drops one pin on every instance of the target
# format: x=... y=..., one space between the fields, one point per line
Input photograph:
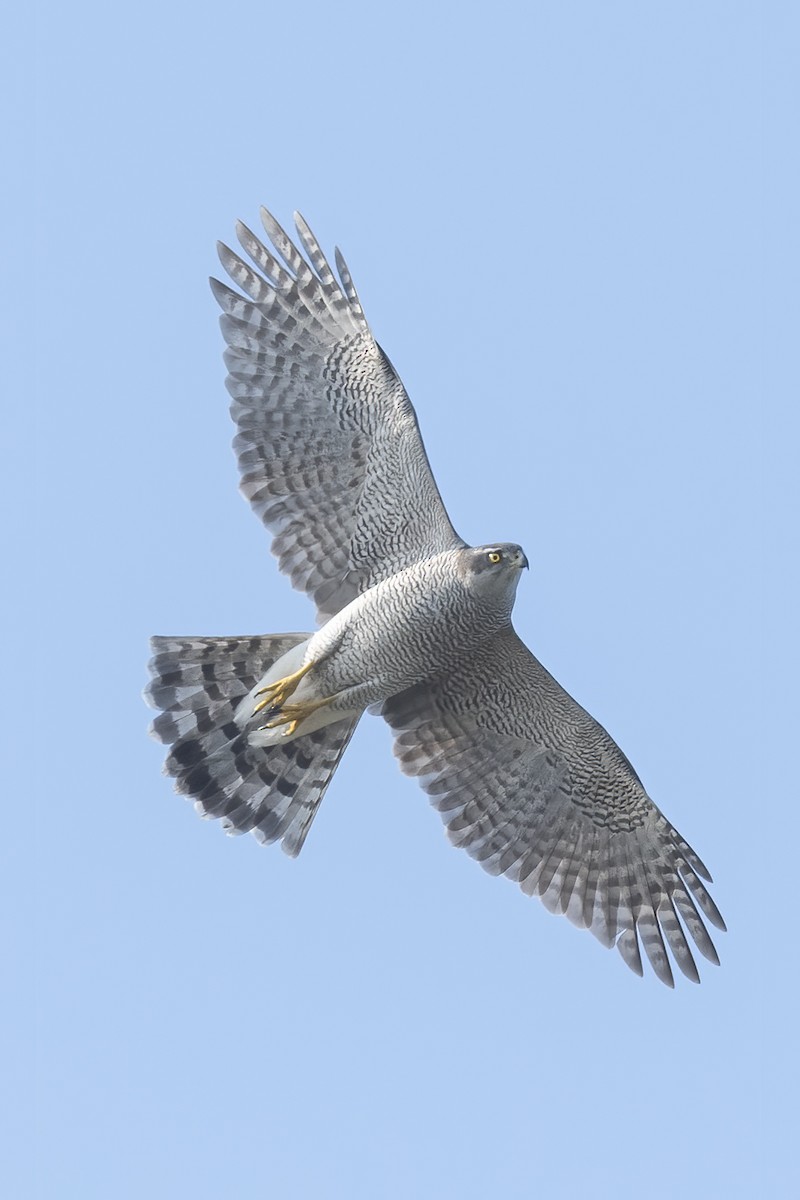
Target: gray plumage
x=273 y=794
x=415 y=625
x=328 y=446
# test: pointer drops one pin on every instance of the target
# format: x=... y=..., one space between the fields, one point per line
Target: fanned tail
x=272 y=792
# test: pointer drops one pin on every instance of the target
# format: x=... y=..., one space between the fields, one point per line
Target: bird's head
x=493 y=571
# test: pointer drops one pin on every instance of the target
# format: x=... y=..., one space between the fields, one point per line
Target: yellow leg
x=291 y=715
x=276 y=694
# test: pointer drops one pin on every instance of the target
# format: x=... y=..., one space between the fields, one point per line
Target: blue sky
x=568 y=227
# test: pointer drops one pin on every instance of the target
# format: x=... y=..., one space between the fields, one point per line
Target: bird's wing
x=328 y=445
x=533 y=788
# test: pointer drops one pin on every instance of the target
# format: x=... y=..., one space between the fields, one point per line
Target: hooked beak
x=522 y=560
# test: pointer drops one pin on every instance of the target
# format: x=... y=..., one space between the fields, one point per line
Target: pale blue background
x=574 y=230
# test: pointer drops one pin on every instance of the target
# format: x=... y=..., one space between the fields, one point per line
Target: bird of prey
x=413 y=624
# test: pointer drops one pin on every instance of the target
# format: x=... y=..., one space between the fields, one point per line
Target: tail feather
x=272 y=792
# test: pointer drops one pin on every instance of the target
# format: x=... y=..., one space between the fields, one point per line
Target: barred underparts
x=414 y=624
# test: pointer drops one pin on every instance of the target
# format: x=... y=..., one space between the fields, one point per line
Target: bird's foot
x=291 y=715
x=276 y=694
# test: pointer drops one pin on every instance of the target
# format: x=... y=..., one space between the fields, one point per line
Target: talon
x=292 y=715
x=271 y=703
x=276 y=694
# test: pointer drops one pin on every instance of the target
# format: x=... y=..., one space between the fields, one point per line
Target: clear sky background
x=572 y=228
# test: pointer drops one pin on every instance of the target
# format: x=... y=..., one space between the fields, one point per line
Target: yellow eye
x=494 y=556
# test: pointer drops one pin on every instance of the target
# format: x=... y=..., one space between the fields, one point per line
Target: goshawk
x=414 y=624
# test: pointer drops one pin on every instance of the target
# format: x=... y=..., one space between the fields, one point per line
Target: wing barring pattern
x=328 y=445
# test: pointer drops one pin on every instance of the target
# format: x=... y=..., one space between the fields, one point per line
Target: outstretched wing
x=533 y=788
x=329 y=449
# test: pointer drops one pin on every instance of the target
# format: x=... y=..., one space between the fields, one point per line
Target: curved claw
x=276 y=694
x=291 y=715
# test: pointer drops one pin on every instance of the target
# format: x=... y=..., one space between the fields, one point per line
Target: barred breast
x=404 y=630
